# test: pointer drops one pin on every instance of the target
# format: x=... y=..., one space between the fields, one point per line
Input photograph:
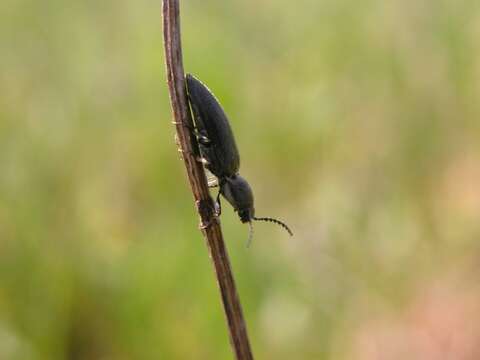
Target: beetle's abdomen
x=211 y=121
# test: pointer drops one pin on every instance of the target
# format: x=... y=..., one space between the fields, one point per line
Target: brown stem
x=198 y=182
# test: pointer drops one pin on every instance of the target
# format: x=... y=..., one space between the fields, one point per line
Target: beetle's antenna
x=278 y=222
x=250 y=234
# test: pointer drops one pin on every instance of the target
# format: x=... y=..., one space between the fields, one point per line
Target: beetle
x=219 y=153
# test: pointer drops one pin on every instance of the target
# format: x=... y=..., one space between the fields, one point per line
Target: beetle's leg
x=213 y=183
x=203 y=139
x=202 y=160
x=181 y=151
x=218 y=205
x=197 y=158
x=192 y=130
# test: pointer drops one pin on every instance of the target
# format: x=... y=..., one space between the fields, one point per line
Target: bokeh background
x=358 y=124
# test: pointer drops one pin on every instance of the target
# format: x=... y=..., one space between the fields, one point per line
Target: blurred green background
x=357 y=122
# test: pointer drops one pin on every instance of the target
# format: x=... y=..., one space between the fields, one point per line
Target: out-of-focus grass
x=358 y=123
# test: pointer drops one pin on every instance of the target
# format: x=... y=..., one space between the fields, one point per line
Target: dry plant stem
x=198 y=182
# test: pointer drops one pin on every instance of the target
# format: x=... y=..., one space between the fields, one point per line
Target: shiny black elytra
x=220 y=154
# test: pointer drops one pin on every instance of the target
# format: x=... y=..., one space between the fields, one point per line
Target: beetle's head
x=239 y=194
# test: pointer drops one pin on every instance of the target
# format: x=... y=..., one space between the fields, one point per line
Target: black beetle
x=219 y=153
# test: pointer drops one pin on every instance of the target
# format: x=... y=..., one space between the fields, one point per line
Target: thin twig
x=198 y=182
